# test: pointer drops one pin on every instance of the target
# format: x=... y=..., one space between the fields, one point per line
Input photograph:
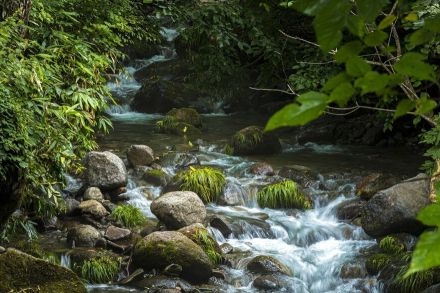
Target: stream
x=314 y=244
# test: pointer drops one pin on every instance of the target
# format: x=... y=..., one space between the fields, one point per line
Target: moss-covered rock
x=20 y=271
x=285 y=194
x=156 y=177
x=186 y=115
x=253 y=141
x=391 y=245
x=207 y=182
x=200 y=235
x=171 y=125
x=160 y=249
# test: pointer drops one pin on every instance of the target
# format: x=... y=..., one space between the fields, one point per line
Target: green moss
x=207 y=182
x=391 y=245
x=99 y=270
x=171 y=125
x=375 y=263
x=207 y=243
x=128 y=215
x=228 y=149
x=285 y=194
x=416 y=282
x=246 y=139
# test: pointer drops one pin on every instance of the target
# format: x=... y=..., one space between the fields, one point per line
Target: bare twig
x=275 y=90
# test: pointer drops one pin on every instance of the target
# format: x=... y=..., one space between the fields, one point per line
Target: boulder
x=83 y=236
x=140 y=155
x=71 y=206
x=94 y=208
x=267 y=282
x=93 y=193
x=374 y=183
x=179 y=209
x=186 y=115
x=300 y=174
x=253 y=141
x=263 y=264
x=221 y=225
x=20 y=272
x=349 y=209
x=161 y=249
x=114 y=233
x=105 y=170
x=156 y=177
x=262 y=169
x=395 y=209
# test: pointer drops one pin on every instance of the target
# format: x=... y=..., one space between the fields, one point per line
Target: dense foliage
x=52 y=88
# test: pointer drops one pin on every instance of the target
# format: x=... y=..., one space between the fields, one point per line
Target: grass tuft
x=246 y=139
x=100 y=270
x=375 y=263
x=416 y=282
x=16 y=226
x=391 y=245
x=128 y=215
x=207 y=182
x=285 y=194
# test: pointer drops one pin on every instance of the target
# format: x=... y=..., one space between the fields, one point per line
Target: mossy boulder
x=140 y=155
x=171 y=125
x=392 y=245
x=207 y=182
x=377 y=262
x=253 y=140
x=160 y=249
x=285 y=194
x=186 y=115
x=83 y=236
x=156 y=177
x=19 y=272
x=264 y=264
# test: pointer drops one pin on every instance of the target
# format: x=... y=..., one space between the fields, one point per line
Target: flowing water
x=314 y=244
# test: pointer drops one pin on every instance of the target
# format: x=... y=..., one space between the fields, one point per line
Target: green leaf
x=348 y=51
x=356 y=25
x=329 y=22
x=312 y=106
x=386 y=22
x=412 y=17
x=427 y=253
x=372 y=82
x=413 y=65
x=419 y=37
x=375 y=38
x=430 y=215
x=369 y=10
x=433 y=24
x=334 y=81
x=404 y=107
x=357 y=67
x=425 y=105
x=342 y=93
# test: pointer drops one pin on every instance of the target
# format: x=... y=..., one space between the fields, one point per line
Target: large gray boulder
x=161 y=249
x=179 y=209
x=105 y=170
x=83 y=236
x=140 y=155
x=395 y=209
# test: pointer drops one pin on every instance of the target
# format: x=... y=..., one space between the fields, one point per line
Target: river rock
x=266 y=282
x=353 y=271
x=94 y=208
x=72 y=206
x=374 y=183
x=221 y=225
x=349 y=209
x=226 y=248
x=140 y=155
x=20 y=272
x=180 y=160
x=83 y=236
x=105 y=170
x=163 y=284
x=300 y=174
x=160 y=249
x=179 y=209
x=234 y=193
x=2 y=249
x=173 y=270
x=192 y=231
x=262 y=168
x=186 y=115
x=114 y=233
x=93 y=193
x=253 y=141
x=156 y=177
x=395 y=209
x=263 y=264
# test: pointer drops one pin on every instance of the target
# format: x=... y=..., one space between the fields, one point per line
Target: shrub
x=207 y=182
x=100 y=270
x=391 y=245
x=285 y=194
x=128 y=215
x=18 y=225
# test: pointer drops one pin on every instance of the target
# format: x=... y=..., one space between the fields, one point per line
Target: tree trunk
x=11 y=194
x=9 y=7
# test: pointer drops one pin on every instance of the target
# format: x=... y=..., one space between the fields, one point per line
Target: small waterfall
x=65 y=261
